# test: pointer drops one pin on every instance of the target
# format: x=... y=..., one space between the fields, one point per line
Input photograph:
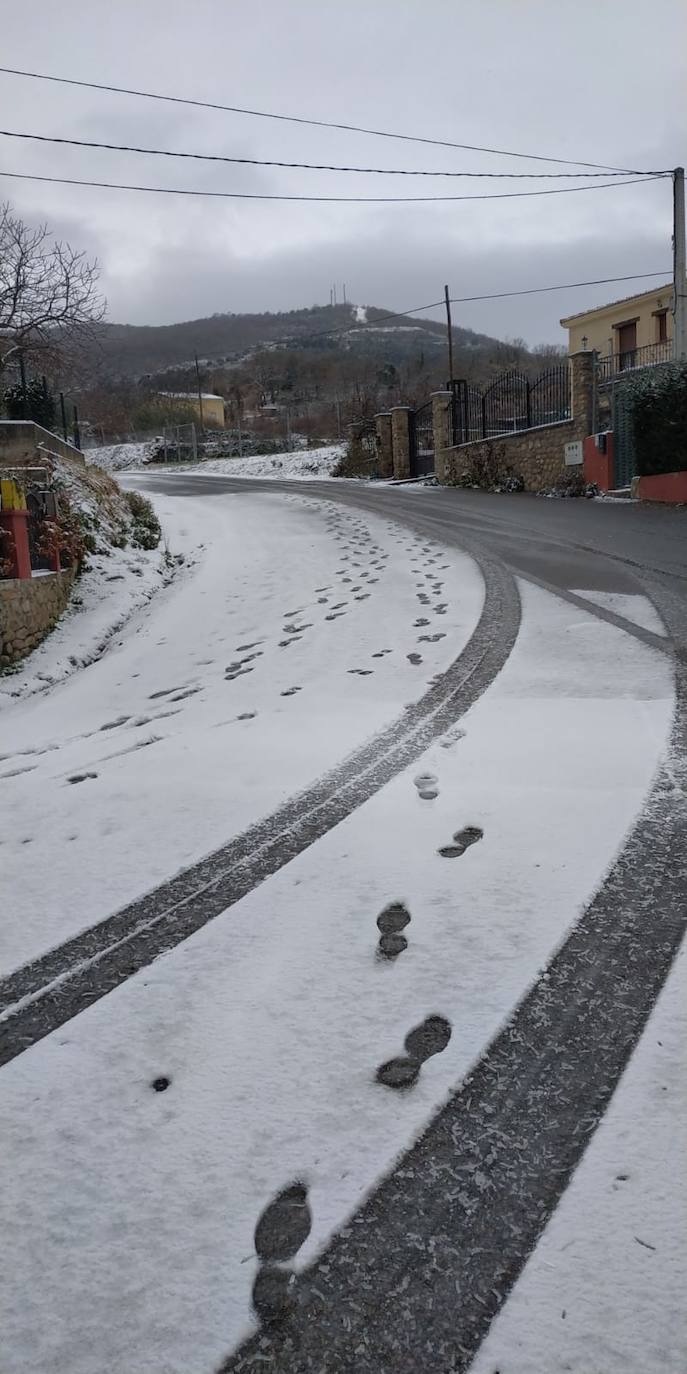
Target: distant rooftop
x=191 y=395
x=610 y=305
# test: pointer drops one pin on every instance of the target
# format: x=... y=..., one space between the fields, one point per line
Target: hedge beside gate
x=657 y=402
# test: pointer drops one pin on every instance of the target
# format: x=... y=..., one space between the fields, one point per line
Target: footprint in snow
x=427 y=785
x=166 y=692
x=430 y=639
x=284 y=1226
x=414 y=658
x=230 y=677
x=81 y=777
x=461 y=841
x=290 y=691
x=419 y=622
x=452 y=737
x=360 y=672
x=390 y=922
x=429 y=1038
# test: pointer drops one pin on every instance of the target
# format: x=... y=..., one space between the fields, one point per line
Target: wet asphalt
x=415 y=1277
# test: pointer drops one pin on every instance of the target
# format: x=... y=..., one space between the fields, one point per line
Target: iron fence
x=613 y=364
x=421 y=441
x=512 y=402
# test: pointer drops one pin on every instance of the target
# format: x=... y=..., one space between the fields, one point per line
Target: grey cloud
x=531 y=76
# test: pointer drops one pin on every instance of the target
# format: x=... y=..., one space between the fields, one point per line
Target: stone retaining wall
x=25 y=444
x=537 y=455
x=28 y=610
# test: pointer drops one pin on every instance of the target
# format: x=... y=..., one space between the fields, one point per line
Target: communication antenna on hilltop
x=334 y=290
x=344 y=293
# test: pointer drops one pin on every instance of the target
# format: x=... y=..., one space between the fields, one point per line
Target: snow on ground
x=114 y=457
x=113 y=586
x=305 y=463
x=271 y=1021
x=104 y=599
x=308 y=463
x=157 y=754
x=638 y=609
x=603 y=1292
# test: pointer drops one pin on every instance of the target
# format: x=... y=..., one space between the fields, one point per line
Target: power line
x=358 y=200
x=300 y=119
x=491 y=296
x=307 y=166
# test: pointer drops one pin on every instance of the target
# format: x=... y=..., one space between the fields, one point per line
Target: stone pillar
x=441 y=425
x=400 y=430
x=582 y=382
x=385 y=449
x=16 y=523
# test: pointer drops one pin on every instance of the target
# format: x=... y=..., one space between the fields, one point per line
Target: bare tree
x=49 y=294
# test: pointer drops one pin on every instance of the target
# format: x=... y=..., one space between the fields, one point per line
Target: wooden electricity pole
x=679 y=266
x=450 y=334
x=200 y=394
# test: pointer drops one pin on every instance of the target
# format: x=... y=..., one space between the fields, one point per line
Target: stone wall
x=22 y=444
x=537 y=455
x=28 y=610
x=385 y=446
x=400 y=440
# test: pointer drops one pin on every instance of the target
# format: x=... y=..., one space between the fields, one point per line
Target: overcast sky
x=598 y=80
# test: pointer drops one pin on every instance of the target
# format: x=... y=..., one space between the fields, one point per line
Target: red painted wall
x=596 y=465
x=665 y=486
x=16 y=524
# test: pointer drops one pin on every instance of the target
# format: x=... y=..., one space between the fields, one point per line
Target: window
x=627 y=343
x=661 y=326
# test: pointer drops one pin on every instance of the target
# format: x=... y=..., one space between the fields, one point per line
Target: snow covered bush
x=145 y=530
x=658 y=409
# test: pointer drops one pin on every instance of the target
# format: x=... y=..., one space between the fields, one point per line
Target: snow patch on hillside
x=114 y=457
x=314 y=462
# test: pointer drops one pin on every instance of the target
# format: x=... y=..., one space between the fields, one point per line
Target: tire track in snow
x=43 y=994
x=412 y=1282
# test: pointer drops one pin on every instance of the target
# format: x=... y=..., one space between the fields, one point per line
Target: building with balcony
x=634 y=332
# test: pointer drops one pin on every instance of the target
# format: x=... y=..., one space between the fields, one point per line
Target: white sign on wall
x=573 y=453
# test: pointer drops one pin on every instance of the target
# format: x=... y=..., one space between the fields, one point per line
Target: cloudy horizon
x=552 y=85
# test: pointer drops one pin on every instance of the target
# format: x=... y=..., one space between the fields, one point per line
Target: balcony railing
x=616 y=363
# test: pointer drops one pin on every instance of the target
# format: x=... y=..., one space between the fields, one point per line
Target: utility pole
x=679 y=266
x=200 y=394
x=450 y=334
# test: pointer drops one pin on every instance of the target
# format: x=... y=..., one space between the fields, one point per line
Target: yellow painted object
x=11 y=495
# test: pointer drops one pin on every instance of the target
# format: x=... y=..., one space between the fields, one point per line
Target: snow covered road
x=245 y=1058
x=295 y=633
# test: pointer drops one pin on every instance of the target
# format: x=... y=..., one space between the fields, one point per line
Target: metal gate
x=614 y=413
x=624 y=457
x=422 y=441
